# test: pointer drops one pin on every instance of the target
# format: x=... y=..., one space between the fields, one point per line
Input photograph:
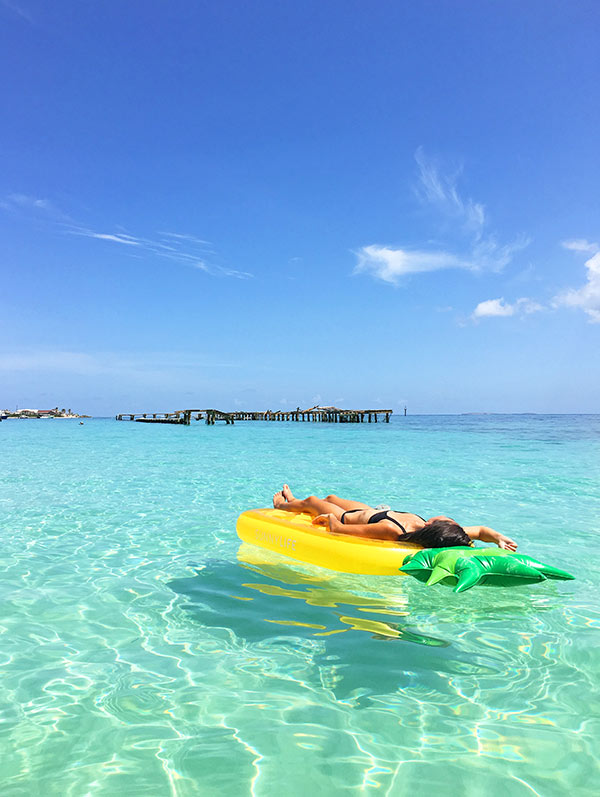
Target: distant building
x=26 y=412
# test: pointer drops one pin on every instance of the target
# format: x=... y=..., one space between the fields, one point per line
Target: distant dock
x=211 y=416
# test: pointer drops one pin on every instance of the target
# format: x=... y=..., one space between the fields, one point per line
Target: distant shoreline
x=38 y=415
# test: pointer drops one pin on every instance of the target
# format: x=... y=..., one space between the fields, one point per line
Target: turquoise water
x=142 y=653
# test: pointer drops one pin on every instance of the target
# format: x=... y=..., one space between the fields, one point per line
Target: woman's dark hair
x=439 y=534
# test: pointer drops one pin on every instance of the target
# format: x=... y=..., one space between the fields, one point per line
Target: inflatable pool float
x=463 y=568
x=295 y=536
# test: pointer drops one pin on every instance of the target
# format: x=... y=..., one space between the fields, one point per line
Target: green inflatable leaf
x=466 y=567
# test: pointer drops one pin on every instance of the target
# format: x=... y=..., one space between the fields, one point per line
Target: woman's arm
x=383 y=530
x=486 y=534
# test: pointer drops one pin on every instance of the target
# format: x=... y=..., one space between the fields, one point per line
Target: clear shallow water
x=142 y=652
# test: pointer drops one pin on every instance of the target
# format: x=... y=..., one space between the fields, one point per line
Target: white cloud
x=581 y=245
x=498 y=308
x=476 y=250
x=121 y=239
x=493 y=307
x=390 y=264
x=587 y=298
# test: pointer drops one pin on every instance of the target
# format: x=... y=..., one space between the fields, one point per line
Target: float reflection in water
x=313 y=602
x=266 y=604
x=325 y=590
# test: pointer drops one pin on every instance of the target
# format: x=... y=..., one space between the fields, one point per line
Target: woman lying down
x=361 y=520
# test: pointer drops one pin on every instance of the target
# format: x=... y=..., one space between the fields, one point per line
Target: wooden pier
x=210 y=416
x=317 y=415
x=151 y=417
x=183 y=417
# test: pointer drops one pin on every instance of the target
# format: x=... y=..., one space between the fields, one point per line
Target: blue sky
x=277 y=204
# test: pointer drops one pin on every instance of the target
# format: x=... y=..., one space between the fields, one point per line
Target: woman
x=361 y=520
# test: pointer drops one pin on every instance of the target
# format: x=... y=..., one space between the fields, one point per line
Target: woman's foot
x=287 y=493
x=279 y=500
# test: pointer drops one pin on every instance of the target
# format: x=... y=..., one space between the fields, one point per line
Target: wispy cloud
x=183 y=237
x=17 y=8
x=478 y=249
x=39 y=207
x=182 y=248
x=498 y=308
x=23 y=200
x=441 y=190
x=580 y=245
x=120 y=239
x=587 y=298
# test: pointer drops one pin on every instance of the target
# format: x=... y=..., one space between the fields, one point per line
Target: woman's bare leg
x=346 y=504
x=312 y=505
x=343 y=503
